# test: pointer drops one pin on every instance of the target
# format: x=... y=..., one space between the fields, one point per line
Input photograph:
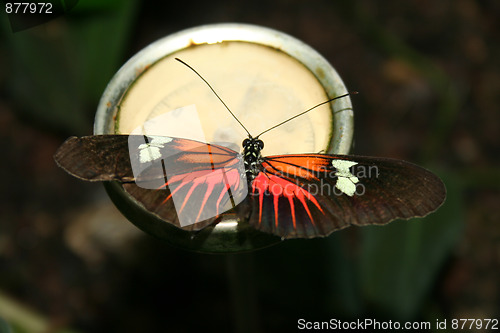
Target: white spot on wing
x=149 y=152
x=346 y=181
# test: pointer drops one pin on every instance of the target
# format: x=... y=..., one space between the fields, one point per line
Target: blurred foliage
x=432 y=101
x=4 y=326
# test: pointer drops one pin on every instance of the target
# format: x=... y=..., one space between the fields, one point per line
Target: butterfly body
x=252 y=157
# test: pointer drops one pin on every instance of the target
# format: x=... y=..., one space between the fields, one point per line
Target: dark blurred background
x=428 y=73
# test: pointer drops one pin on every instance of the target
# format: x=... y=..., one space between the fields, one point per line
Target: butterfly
x=190 y=184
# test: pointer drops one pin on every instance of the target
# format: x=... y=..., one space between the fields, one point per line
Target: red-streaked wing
x=96 y=158
x=184 y=182
x=305 y=196
x=160 y=203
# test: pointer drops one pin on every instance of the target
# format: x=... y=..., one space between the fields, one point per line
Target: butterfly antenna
x=306 y=111
x=220 y=99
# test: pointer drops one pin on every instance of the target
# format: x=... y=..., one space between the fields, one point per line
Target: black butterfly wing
x=305 y=196
x=185 y=182
x=96 y=158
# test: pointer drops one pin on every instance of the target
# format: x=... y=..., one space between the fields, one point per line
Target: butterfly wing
x=305 y=196
x=96 y=158
x=185 y=182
